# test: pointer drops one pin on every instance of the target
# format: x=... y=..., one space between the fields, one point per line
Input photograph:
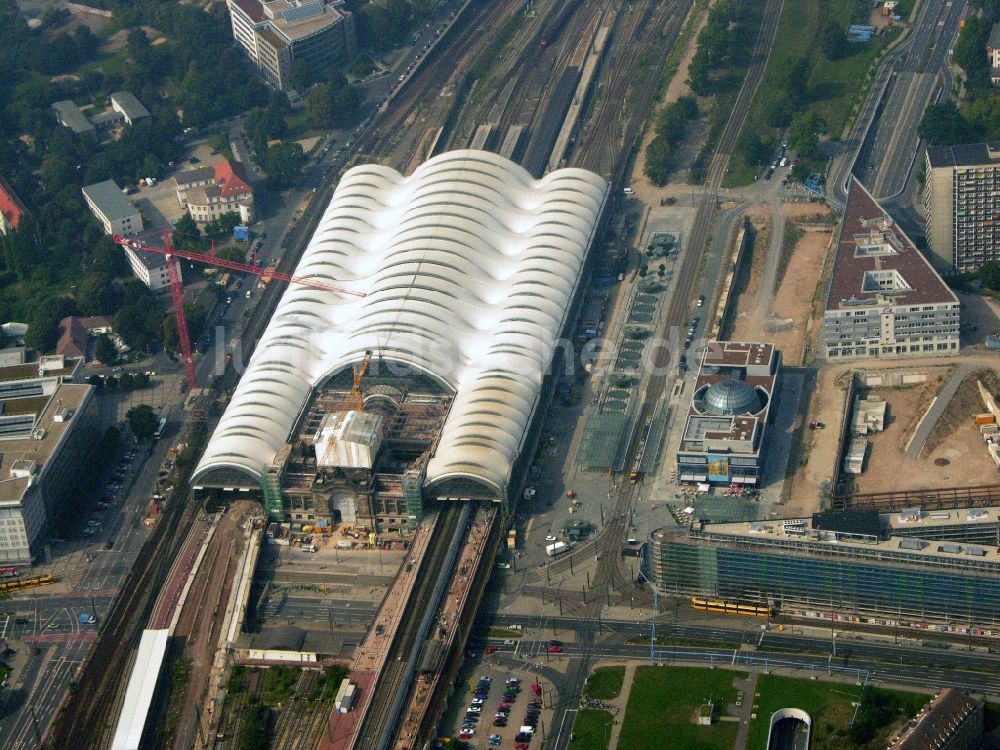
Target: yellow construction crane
x=357 y=400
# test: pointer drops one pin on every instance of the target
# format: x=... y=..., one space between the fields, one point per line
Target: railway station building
x=725 y=430
x=933 y=571
x=364 y=409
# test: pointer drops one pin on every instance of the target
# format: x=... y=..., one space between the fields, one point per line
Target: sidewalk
x=621 y=701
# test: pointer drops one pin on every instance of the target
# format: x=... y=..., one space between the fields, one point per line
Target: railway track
x=642 y=35
x=87 y=718
x=391 y=681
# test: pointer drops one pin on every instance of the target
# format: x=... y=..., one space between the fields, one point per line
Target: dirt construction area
x=955 y=455
x=795 y=311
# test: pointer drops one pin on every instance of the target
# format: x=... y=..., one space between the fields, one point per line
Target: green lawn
x=605 y=683
x=831 y=706
x=835 y=87
x=662 y=703
x=591 y=730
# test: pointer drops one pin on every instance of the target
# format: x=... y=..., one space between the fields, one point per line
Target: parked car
x=555 y=649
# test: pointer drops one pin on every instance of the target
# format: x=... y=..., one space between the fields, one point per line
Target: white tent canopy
x=469 y=266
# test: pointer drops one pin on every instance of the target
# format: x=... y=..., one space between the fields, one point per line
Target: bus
x=731 y=608
x=159 y=428
x=9 y=571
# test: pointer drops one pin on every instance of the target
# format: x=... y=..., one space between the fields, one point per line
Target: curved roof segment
x=469 y=265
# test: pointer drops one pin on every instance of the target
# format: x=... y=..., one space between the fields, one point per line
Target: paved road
x=935 y=411
x=894 y=145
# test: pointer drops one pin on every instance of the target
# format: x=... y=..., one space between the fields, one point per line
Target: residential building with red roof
x=886 y=300
x=209 y=192
x=11 y=208
x=75 y=333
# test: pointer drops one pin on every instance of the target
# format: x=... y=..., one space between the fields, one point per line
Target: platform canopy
x=139 y=693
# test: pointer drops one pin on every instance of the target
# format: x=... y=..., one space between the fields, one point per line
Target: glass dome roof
x=730 y=397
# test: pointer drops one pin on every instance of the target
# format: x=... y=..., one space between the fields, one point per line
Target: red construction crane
x=177 y=291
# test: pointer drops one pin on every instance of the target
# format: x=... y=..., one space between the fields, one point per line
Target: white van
x=784 y=161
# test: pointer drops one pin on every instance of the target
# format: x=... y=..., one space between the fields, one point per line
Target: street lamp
x=656 y=607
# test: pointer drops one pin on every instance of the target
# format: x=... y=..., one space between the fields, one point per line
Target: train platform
x=182 y=573
x=453 y=605
x=342 y=727
x=373 y=650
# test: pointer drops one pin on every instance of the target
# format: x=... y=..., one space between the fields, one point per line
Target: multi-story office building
x=47 y=432
x=886 y=300
x=277 y=34
x=724 y=433
x=962 y=204
x=851 y=567
x=108 y=203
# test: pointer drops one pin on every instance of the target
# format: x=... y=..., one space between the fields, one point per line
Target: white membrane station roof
x=469 y=267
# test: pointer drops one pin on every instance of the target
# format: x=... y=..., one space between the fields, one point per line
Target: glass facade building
x=903 y=580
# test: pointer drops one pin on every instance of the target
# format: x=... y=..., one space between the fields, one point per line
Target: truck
x=512 y=539
x=86 y=619
x=552 y=550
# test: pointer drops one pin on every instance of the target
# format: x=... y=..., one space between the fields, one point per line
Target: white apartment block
x=962 y=204
x=107 y=202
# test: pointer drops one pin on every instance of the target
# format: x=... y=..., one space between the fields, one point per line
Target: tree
x=97 y=294
x=43 y=327
x=283 y=164
x=186 y=232
x=755 y=151
x=803 y=133
x=833 y=41
x=319 y=106
x=234 y=253
x=142 y=420
x=657 y=167
x=989 y=275
x=797 y=84
x=778 y=112
x=105 y=351
x=943 y=125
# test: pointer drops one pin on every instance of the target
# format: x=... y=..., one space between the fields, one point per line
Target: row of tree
x=671 y=125
x=978 y=117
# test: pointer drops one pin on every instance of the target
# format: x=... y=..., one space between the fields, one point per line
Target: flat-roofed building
x=71 y=116
x=277 y=34
x=962 y=204
x=725 y=429
x=108 y=203
x=149 y=267
x=130 y=108
x=885 y=300
x=47 y=433
x=908 y=569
